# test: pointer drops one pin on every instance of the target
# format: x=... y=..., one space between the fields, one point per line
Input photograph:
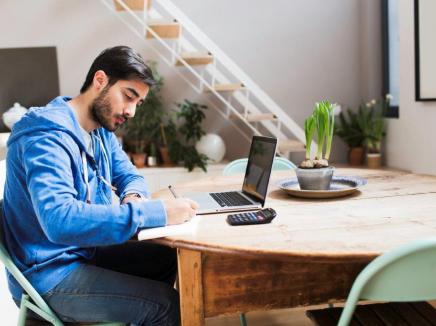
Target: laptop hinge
x=254 y=198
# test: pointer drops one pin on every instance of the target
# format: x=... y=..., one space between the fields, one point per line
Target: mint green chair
x=30 y=299
x=405 y=274
x=240 y=165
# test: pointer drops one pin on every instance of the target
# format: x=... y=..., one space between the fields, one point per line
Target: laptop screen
x=259 y=166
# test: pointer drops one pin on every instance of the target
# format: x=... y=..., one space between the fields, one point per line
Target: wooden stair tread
x=260 y=117
x=195 y=58
x=166 y=30
x=226 y=87
x=135 y=5
x=290 y=145
x=380 y=314
x=256 y=117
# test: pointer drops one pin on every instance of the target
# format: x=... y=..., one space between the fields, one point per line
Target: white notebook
x=186 y=228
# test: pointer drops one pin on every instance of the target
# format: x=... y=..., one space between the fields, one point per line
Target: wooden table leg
x=190 y=287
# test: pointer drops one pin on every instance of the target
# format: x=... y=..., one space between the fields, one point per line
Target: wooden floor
x=282 y=317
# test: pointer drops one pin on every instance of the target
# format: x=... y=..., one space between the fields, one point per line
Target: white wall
x=298 y=51
x=410 y=141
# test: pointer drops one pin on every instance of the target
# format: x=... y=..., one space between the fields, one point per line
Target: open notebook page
x=186 y=228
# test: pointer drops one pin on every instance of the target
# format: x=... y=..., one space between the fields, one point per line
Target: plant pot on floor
x=139 y=159
x=315 y=179
x=373 y=160
x=165 y=155
x=355 y=156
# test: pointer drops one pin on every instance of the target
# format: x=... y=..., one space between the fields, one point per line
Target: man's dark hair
x=119 y=63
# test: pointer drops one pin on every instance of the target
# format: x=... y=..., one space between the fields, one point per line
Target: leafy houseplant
x=373 y=125
x=152 y=155
x=137 y=153
x=316 y=174
x=163 y=148
x=181 y=138
x=350 y=131
x=144 y=128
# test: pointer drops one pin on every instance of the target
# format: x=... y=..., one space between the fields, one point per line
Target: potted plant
x=138 y=154
x=316 y=174
x=152 y=155
x=181 y=137
x=163 y=148
x=144 y=128
x=374 y=126
x=350 y=132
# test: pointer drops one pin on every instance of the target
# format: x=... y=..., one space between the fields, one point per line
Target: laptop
x=255 y=186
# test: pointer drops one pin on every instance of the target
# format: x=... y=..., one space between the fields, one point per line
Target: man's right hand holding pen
x=179 y=210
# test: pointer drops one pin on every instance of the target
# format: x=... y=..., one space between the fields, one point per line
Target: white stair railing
x=244 y=100
x=231 y=66
x=109 y=5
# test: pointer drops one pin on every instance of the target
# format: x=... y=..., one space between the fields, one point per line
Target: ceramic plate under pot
x=339 y=187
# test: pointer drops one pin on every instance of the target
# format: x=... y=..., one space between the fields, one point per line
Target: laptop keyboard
x=231 y=198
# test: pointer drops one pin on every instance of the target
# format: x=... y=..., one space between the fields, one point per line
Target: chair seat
x=393 y=313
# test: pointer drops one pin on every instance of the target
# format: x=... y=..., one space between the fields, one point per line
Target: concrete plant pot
x=315 y=179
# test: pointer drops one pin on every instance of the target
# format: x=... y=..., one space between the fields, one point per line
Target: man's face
x=117 y=103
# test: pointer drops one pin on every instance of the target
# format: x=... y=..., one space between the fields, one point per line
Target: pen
x=172 y=191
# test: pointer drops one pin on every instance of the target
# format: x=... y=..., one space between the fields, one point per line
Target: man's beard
x=101 y=111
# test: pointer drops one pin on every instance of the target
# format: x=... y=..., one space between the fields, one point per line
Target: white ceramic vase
x=15 y=113
x=212 y=146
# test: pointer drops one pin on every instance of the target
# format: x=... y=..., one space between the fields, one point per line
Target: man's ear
x=100 y=80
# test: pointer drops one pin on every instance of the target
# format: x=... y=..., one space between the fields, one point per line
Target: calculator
x=263 y=216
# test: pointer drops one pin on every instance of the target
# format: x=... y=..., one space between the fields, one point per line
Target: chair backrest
x=2 y=177
x=6 y=259
x=240 y=165
x=407 y=273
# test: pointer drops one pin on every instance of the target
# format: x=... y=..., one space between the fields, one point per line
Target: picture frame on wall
x=425 y=50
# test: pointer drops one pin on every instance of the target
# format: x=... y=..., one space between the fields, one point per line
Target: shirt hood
x=57 y=115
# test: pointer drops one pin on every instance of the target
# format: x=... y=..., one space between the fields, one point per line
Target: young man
x=60 y=225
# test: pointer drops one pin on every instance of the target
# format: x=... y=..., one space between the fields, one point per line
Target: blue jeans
x=130 y=283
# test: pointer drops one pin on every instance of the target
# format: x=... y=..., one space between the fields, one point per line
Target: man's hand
x=179 y=210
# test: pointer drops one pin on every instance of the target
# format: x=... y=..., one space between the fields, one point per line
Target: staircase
x=180 y=43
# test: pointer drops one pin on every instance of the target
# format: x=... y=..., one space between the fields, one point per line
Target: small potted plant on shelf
x=163 y=148
x=137 y=153
x=350 y=131
x=152 y=155
x=374 y=126
x=316 y=174
x=144 y=128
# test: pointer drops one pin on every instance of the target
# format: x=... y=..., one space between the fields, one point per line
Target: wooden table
x=310 y=253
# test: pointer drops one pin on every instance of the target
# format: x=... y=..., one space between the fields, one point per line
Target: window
x=390 y=38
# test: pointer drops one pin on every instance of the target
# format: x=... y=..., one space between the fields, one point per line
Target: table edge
x=297 y=256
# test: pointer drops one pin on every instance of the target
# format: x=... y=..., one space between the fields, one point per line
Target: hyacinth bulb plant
x=321 y=122
x=316 y=174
